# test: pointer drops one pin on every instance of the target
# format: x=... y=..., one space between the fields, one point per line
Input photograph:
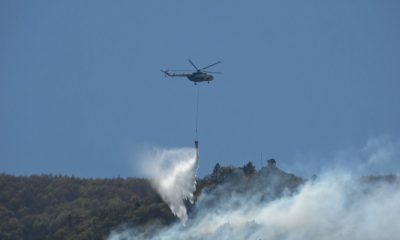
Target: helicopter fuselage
x=200 y=77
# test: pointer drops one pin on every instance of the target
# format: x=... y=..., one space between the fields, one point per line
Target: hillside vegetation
x=64 y=207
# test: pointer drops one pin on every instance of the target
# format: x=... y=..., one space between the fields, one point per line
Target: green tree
x=249 y=168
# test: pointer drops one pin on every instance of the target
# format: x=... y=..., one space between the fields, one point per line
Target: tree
x=249 y=168
x=216 y=169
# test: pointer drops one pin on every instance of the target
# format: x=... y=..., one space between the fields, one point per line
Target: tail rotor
x=166 y=73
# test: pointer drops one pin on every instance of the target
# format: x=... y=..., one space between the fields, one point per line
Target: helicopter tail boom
x=169 y=74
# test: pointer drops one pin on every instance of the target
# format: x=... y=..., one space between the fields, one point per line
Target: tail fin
x=166 y=73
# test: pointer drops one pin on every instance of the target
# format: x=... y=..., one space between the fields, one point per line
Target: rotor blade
x=193 y=64
x=212 y=72
x=210 y=65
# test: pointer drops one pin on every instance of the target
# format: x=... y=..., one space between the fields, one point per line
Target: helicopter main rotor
x=204 y=68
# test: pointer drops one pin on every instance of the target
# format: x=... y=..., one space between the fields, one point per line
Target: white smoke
x=382 y=154
x=336 y=205
x=173 y=175
x=379 y=155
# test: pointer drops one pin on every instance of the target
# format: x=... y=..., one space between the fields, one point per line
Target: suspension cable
x=197 y=112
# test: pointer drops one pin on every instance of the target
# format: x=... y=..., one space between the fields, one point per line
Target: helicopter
x=200 y=75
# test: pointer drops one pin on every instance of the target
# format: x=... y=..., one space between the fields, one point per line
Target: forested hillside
x=65 y=207
x=62 y=207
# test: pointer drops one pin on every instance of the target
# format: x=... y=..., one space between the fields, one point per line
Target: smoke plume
x=173 y=175
x=333 y=207
x=337 y=204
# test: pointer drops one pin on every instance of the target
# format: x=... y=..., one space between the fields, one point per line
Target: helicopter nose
x=210 y=78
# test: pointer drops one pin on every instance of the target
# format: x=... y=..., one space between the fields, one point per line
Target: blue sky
x=81 y=91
